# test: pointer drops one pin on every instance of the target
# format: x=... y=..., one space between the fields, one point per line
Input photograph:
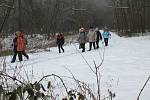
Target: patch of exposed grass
x=6 y=53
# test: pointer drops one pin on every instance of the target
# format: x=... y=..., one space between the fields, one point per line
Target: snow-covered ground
x=125 y=69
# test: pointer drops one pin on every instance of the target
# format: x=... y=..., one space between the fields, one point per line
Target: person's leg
x=106 y=41
x=24 y=53
x=20 y=55
x=59 y=48
x=83 y=47
x=62 y=48
x=14 y=57
x=94 y=45
x=90 y=46
x=80 y=46
x=97 y=43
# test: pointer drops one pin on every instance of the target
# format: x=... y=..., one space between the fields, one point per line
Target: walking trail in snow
x=125 y=68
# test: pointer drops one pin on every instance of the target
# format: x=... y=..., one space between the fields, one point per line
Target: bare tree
x=130 y=16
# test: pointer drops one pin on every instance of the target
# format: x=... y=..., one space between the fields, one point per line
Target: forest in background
x=51 y=16
x=131 y=16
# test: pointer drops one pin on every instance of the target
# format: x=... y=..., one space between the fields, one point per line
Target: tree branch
x=57 y=77
x=13 y=78
x=143 y=88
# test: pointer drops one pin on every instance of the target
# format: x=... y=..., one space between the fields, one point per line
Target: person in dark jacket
x=98 y=38
x=82 y=39
x=60 y=41
x=15 y=47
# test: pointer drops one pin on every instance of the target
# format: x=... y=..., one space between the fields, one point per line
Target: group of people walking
x=93 y=37
x=19 y=46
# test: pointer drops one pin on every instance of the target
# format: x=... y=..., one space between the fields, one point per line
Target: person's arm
x=103 y=34
x=26 y=42
x=56 y=40
x=100 y=35
x=15 y=41
x=78 y=37
x=95 y=35
x=109 y=35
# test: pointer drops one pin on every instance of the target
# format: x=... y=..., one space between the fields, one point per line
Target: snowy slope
x=125 y=69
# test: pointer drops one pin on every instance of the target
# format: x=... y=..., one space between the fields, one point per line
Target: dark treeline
x=50 y=16
x=131 y=16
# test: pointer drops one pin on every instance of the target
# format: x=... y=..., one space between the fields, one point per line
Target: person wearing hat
x=91 y=38
x=82 y=39
x=81 y=29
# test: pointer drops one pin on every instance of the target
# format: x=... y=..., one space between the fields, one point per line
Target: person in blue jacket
x=106 y=35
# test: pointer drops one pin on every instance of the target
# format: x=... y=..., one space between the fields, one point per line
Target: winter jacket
x=91 y=36
x=60 y=39
x=82 y=37
x=24 y=43
x=99 y=36
x=20 y=43
x=106 y=34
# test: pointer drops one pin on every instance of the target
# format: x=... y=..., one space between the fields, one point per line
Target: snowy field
x=125 y=69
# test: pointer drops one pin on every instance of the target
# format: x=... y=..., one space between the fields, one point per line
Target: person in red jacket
x=25 y=43
x=19 y=43
x=20 y=46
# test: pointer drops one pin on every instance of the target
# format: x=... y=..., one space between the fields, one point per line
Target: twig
x=97 y=80
x=57 y=77
x=26 y=74
x=143 y=88
x=86 y=87
x=102 y=58
x=87 y=63
x=13 y=78
x=85 y=60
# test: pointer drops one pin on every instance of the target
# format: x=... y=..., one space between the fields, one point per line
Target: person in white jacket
x=91 y=38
